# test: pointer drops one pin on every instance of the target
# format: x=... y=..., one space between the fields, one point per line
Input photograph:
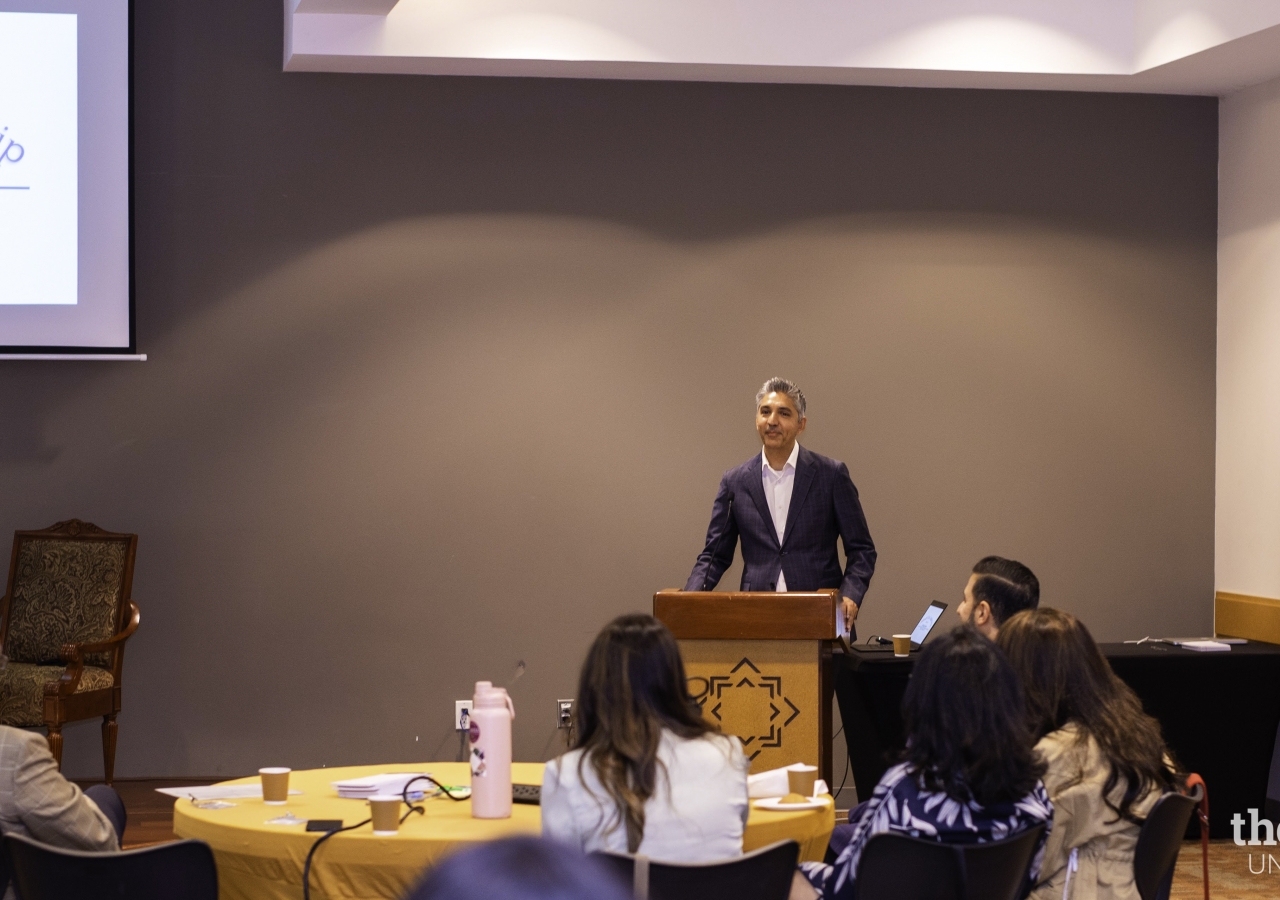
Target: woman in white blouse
x=647 y=774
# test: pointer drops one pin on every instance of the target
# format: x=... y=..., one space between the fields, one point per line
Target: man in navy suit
x=789 y=506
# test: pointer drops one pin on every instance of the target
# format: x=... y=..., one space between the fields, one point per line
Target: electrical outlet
x=564 y=713
x=461 y=715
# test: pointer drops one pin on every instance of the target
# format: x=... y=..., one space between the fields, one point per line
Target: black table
x=1219 y=711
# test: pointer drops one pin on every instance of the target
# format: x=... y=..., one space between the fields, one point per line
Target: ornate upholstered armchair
x=67 y=613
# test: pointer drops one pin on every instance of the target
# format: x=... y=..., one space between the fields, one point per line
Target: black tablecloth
x=1219 y=712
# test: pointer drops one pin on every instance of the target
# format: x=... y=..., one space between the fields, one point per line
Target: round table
x=257 y=861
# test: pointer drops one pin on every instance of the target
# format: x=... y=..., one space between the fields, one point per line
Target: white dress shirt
x=777 y=493
x=697 y=813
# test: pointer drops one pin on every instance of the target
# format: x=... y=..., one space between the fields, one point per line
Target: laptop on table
x=933 y=612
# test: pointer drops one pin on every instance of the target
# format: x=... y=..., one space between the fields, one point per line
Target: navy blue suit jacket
x=824 y=508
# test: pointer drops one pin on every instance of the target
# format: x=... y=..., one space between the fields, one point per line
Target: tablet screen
x=927 y=621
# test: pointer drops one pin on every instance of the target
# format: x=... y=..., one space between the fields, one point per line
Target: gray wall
x=444 y=372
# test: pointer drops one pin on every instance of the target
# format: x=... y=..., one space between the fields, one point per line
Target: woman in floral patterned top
x=970 y=773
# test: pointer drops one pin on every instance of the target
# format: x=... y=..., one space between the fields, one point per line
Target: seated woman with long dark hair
x=647 y=773
x=969 y=773
x=1107 y=760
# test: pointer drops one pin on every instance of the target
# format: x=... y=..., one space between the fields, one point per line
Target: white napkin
x=773 y=783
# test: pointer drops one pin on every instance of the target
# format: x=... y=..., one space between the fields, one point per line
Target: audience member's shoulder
x=903 y=773
x=1069 y=754
x=18 y=740
x=1055 y=744
x=898 y=780
x=19 y=748
x=711 y=749
x=564 y=768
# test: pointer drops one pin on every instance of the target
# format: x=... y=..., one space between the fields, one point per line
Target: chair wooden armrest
x=73 y=656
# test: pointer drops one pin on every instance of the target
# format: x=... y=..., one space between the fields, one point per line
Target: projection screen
x=65 y=230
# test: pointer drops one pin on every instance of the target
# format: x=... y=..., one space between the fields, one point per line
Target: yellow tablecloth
x=257 y=861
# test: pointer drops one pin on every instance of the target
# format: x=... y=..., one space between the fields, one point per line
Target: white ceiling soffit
x=1158 y=46
x=352 y=7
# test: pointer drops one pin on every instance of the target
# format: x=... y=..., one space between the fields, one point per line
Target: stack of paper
x=251 y=791
x=1205 y=646
x=392 y=783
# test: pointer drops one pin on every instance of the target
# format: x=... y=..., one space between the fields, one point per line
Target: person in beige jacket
x=1090 y=844
x=36 y=801
x=1107 y=760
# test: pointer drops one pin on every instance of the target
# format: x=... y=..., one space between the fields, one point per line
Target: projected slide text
x=39 y=159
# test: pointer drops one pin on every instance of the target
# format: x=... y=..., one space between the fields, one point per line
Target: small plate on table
x=775 y=804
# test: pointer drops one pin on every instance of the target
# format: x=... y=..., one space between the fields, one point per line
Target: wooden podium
x=759 y=666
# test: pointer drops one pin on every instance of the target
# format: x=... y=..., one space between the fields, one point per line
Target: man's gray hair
x=778 y=385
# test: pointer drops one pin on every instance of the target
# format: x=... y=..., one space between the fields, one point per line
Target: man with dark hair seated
x=997 y=589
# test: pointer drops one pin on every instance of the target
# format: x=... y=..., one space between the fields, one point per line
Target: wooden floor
x=1231 y=873
x=1231 y=869
x=150 y=815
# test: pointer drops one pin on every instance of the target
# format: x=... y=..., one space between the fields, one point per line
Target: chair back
x=763 y=874
x=182 y=870
x=69 y=583
x=899 y=866
x=907 y=868
x=999 y=869
x=1158 y=843
x=5 y=876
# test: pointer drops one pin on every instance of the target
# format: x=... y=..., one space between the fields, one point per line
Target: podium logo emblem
x=746 y=703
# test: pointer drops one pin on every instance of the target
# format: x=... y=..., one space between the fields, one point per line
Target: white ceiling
x=1162 y=46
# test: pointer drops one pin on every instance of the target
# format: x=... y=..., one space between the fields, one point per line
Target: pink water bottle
x=490 y=733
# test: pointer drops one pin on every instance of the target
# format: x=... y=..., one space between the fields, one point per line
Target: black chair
x=899 y=867
x=1159 y=841
x=763 y=874
x=182 y=870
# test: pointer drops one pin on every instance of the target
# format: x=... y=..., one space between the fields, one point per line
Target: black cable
x=847 y=761
x=306 y=867
x=444 y=789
